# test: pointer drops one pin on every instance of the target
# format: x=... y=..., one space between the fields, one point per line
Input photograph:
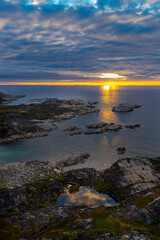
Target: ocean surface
x=144 y=141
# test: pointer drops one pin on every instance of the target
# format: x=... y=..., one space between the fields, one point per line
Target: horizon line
x=111 y=83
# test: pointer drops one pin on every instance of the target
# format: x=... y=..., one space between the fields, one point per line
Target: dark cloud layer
x=79 y=40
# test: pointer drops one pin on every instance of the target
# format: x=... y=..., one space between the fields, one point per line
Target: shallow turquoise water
x=144 y=141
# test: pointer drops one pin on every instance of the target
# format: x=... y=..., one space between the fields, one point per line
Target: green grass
x=101 y=186
x=142 y=202
x=2 y=183
x=61 y=178
x=74 y=188
x=104 y=221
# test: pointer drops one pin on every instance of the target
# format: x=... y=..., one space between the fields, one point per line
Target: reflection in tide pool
x=85 y=196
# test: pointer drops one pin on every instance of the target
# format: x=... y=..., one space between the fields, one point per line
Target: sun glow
x=35 y=2
x=111 y=75
x=106 y=87
x=104 y=83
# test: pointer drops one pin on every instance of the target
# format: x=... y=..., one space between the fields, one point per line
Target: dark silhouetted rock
x=121 y=150
x=133 y=126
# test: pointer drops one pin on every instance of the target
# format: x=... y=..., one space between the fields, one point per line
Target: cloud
x=79 y=40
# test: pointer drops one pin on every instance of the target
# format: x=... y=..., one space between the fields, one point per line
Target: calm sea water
x=142 y=142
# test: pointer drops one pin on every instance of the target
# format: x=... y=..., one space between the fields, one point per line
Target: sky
x=67 y=41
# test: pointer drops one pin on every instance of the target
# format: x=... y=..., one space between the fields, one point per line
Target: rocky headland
x=31 y=120
x=30 y=211
x=8 y=98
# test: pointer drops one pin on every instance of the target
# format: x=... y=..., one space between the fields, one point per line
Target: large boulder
x=130 y=177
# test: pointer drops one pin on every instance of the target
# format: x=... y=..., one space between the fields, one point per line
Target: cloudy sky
x=79 y=40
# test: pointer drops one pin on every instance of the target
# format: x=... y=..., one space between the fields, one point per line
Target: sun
x=106 y=87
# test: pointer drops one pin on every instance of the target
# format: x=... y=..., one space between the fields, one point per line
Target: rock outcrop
x=154 y=209
x=8 y=98
x=71 y=160
x=20 y=173
x=133 y=126
x=97 y=128
x=131 y=176
x=31 y=211
x=70 y=128
x=125 y=107
x=121 y=150
x=38 y=119
x=96 y=125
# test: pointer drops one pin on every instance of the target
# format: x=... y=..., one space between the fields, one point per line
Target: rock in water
x=96 y=125
x=133 y=126
x=125 y=107
x=121 y=150
x=70 y=128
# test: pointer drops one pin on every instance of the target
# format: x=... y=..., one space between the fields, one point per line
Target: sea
x=144 y=141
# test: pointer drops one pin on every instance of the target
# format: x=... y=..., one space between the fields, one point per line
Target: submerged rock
x=121 y=150
x=133 y=126
x=125 y=107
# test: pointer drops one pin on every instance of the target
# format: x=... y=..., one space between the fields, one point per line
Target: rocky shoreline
x=32 y=120
x=20 y=173
x=30 y=211
x=29 y=191
x=37 y=119
x=8 y=98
